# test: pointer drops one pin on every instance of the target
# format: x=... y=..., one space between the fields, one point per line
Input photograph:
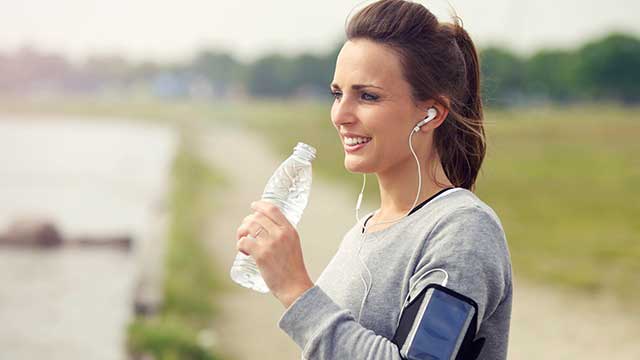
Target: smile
x=354 y=144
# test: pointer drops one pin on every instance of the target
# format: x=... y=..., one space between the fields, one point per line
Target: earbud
x=431 y=114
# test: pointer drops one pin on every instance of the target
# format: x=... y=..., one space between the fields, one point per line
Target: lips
x=355 y=147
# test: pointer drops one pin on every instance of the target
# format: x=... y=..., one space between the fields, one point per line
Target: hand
x=276 y=250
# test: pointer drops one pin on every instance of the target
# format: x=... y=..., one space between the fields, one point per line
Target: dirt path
x=546 y=324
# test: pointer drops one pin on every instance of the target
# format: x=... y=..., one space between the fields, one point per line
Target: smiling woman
x=406 y=90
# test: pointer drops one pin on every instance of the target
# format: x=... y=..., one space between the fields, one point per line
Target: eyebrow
x=357 y=86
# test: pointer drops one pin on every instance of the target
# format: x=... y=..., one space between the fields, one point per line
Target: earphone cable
x=417 y=194
x=368 y=288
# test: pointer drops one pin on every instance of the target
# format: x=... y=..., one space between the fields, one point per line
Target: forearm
x=323 y=330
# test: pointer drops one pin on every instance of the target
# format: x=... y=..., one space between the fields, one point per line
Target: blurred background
x=134 y=135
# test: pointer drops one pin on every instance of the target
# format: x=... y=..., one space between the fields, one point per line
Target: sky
x=162 y=30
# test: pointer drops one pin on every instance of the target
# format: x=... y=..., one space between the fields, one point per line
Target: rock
x=32 y=232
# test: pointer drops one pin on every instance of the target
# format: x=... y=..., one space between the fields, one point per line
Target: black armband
x=438 y=323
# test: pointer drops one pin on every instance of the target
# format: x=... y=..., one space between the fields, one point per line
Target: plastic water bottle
x=288 y=188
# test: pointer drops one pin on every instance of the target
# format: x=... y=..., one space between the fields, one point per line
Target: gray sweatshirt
x=455 y=231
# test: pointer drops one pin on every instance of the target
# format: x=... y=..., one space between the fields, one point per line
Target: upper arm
x=470 y=245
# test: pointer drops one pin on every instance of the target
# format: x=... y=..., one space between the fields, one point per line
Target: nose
x=342 y=113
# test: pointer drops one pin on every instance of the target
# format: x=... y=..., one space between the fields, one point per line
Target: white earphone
x=431 y=114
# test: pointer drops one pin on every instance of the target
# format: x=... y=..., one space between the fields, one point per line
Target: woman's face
x=373 y=104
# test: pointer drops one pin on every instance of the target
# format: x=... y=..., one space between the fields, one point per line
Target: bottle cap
x=305 y=151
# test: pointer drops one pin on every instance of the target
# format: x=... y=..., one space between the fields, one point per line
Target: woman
x=407 y=108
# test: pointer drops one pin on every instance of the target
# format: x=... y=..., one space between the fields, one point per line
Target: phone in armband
x=438 y=323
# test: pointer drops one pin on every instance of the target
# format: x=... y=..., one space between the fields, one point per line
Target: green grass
x=564 y=181
x=190 y=280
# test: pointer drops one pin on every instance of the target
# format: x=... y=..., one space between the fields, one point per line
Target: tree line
x=606 y=68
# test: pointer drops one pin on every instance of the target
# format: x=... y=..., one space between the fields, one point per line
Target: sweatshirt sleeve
x=467 y=243
x=325 y=331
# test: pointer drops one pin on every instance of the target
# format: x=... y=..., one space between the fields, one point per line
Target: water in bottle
x=288 y=188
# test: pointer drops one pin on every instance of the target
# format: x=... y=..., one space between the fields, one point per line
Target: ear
x=443 y=111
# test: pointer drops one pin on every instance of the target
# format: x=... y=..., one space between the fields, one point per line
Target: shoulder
x=461 y=210
x=464 y=200
x=466 y=229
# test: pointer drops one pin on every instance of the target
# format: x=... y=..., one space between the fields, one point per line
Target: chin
x=355 y=166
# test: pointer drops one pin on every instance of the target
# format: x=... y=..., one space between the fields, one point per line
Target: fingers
x=248 y=227
x=252 y=224
x=270 y=211
x=245 y=228
x=260 y=221
x=247 y=245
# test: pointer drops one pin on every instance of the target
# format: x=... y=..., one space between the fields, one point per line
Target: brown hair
x=439 y=62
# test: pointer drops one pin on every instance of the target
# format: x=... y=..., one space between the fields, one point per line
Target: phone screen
x=442 y=325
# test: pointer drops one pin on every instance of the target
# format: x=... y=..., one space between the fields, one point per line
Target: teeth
x=356 y=140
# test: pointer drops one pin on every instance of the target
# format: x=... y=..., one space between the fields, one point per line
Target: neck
x=398 y=186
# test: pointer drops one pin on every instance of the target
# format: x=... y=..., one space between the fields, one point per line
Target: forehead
x=363 y=61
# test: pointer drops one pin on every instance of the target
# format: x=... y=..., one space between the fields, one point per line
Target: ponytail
x=460 y=140
x=472 y=108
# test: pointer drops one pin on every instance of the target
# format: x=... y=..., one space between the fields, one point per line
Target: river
x=89 y=177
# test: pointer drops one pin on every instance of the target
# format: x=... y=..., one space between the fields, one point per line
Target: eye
x=369 y=97
x=336 y=94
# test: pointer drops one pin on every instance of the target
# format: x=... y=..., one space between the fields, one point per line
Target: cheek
x=384 y=126
x=392 y=140
x=333 y=114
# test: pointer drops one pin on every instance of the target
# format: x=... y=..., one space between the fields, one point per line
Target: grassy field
x=177 y=332
x=565 y=183
x=563 y=180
